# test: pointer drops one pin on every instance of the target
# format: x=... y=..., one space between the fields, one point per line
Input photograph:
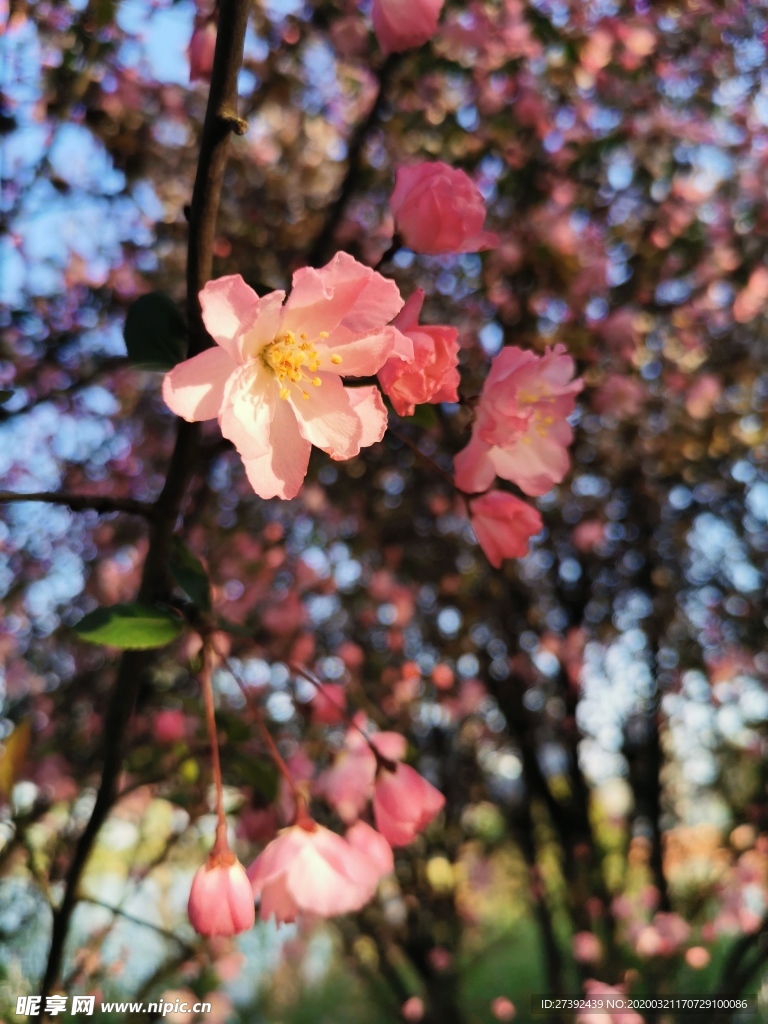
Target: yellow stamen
x=294 y=360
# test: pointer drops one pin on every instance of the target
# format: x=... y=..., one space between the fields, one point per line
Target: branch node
x=233 y=123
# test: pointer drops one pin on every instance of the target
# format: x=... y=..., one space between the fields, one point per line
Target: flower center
x=294 y=361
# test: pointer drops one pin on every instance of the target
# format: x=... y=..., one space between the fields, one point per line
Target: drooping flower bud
x=221 y=898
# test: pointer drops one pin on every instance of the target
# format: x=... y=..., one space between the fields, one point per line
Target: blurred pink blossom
x=404 y=803
x=503 y=525
x=405 y=24
x=521 y=432
x=309 y=868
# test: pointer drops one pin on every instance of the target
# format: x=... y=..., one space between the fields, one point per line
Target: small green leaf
x=155 y=333
x=132 y=627
x=189 y=573
x=424 y=416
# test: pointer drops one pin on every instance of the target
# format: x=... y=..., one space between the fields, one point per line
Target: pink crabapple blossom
x=404 y=24
x=521 y=432
x=438 y=209
x=348 y=784
x=311 y=869
x=404 y=803
x=503 y=525
x=221 y=899
x=273 y=379
x=423 y=366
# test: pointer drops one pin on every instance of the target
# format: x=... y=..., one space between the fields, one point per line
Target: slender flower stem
x=221 y=844
x=274 y=753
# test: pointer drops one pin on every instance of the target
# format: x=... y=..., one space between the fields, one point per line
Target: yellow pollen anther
x=323 y=334
x=284 y=392
x=316 y=382
x=305 y=394
x=335 y=360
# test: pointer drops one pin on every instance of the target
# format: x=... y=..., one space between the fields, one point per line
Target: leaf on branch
x=188 y=571
x=424 y=416
x=131 y=627
x=155 y=333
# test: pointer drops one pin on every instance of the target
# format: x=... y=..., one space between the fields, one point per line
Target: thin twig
x=100 y=503
x=426 y=459
x=210 y=720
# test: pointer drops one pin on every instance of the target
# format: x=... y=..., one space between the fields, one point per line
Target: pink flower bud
x=438 y=209
x=221 y=900
x=200 y=52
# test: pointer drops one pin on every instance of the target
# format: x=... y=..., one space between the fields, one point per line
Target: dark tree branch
x=220 y=120
x=83 y=502
x=321 y=248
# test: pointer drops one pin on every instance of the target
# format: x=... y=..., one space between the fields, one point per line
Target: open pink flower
x=439 y=209
x=423 y=366
x=503 y=525
x=521 y=432
x=404 y=24
x=221 y=899
x=309 y=868
x=348 y=784
x=274 y=377
x=404 y=803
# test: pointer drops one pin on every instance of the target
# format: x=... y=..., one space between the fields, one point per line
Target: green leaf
x=132 y=627
x=5 y=394
x=189 y=573
x=155 y=333
x=424 y=416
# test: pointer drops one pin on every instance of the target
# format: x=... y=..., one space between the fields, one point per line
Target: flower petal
x=369 y=406
x=361 y=355
x=195 y=388
x=472 y=467
x=281 y=471
x=249 y=406
x=326 y=417
x=230 y=309
x=267 y=325
x=344 y=294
